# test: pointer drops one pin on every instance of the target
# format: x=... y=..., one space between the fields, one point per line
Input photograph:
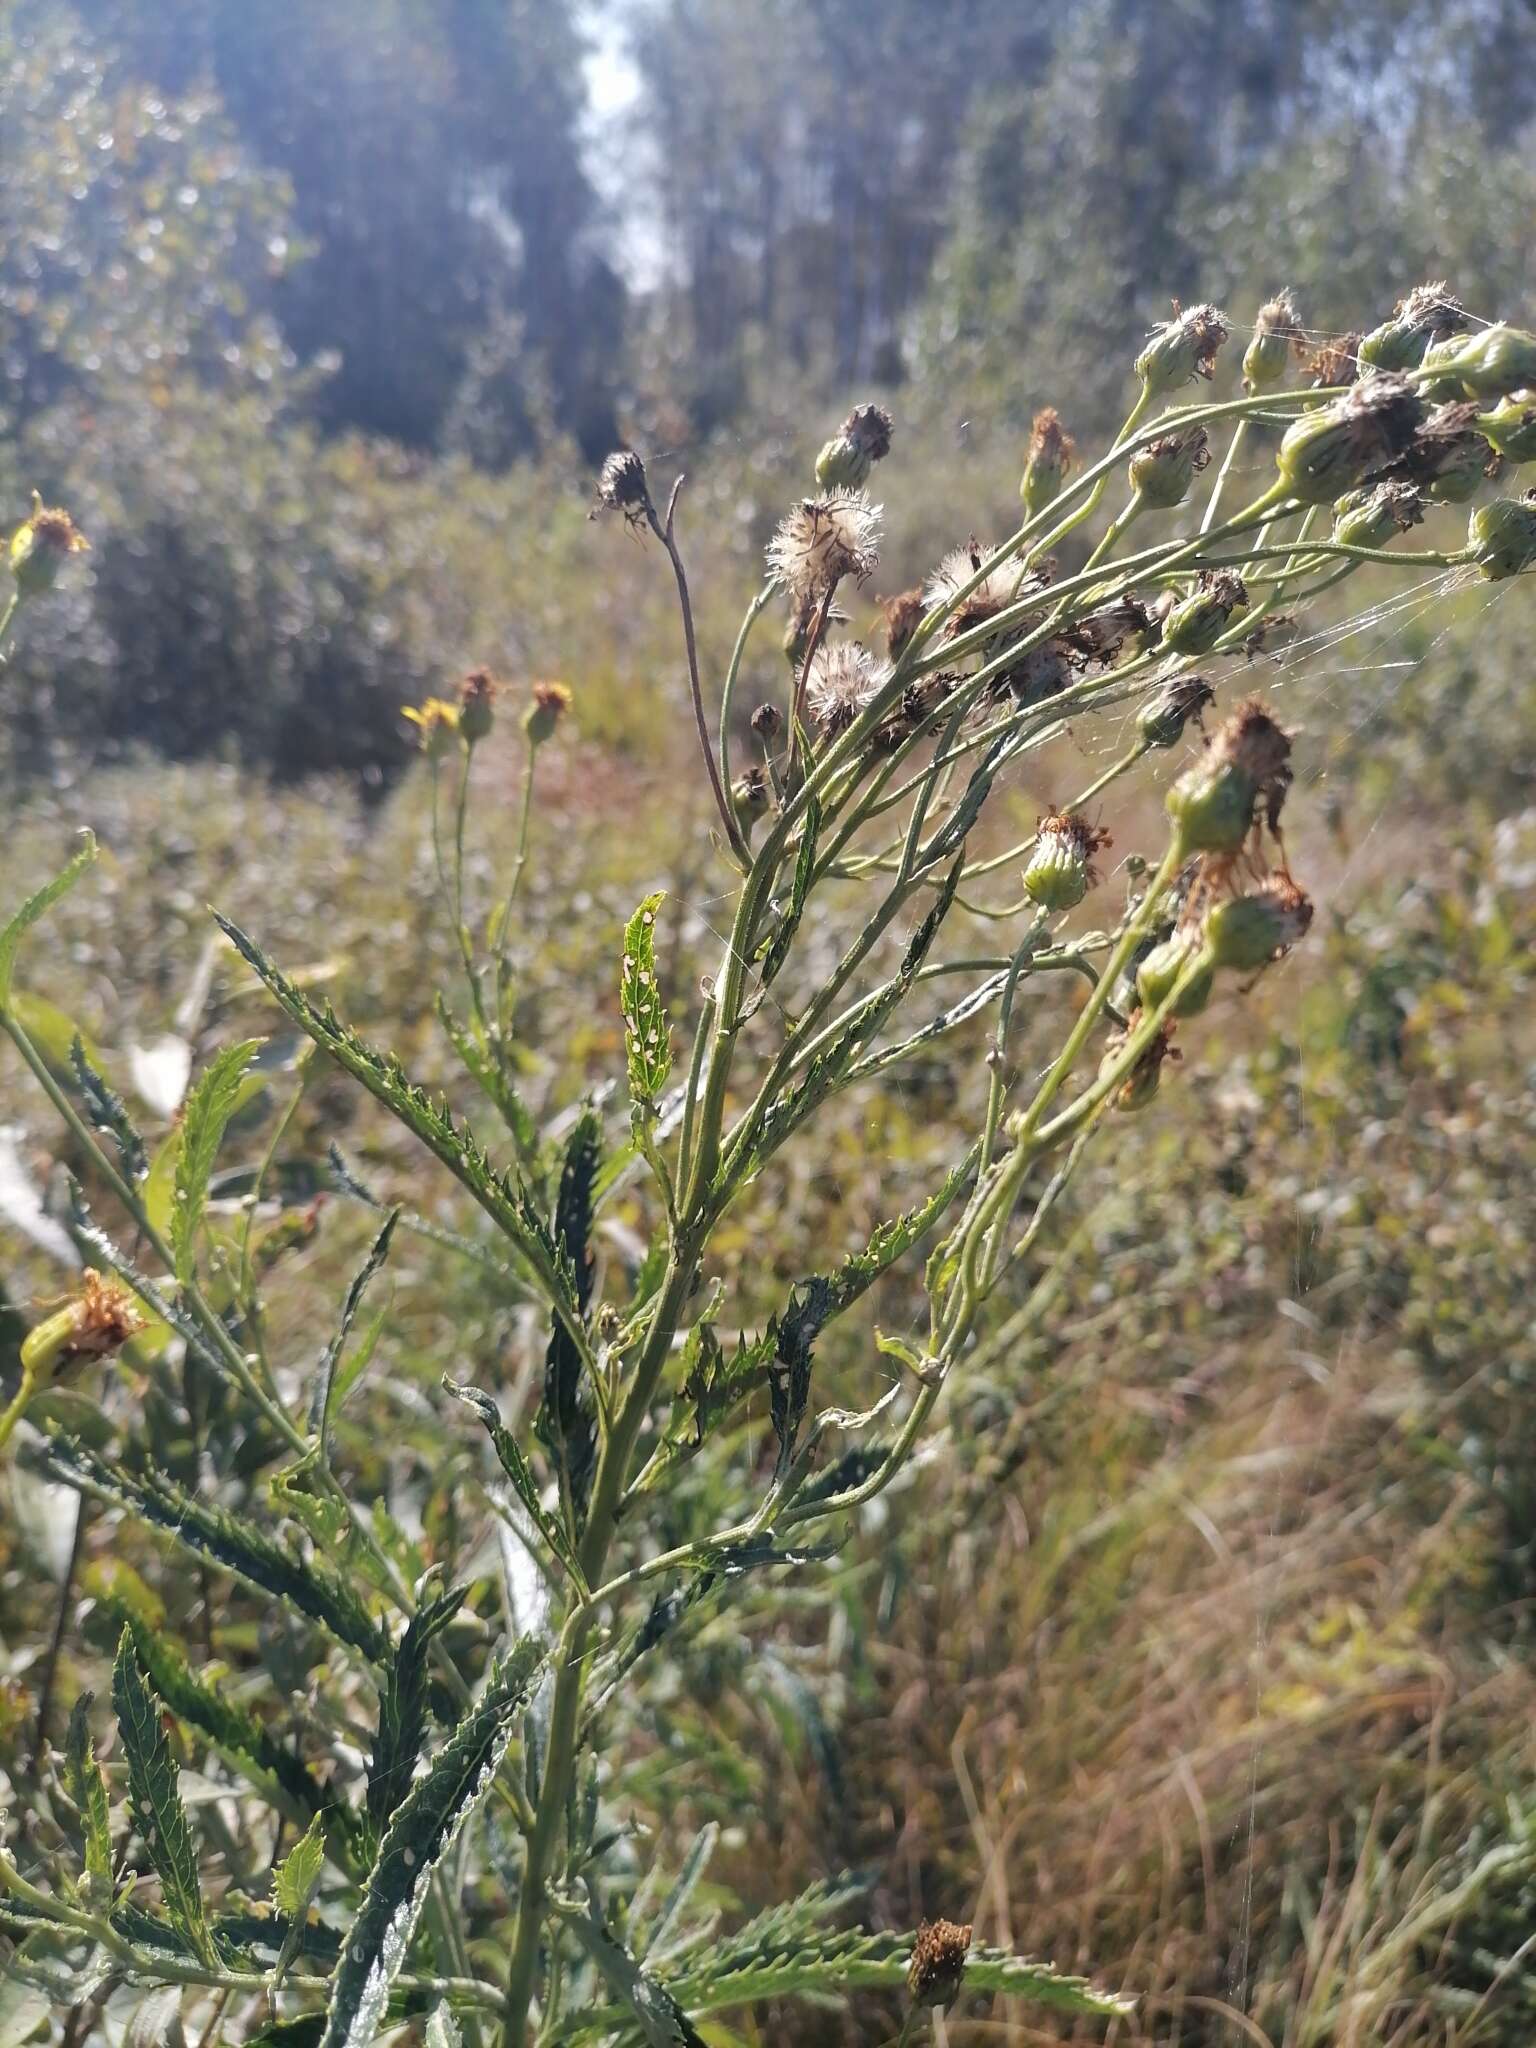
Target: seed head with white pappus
x=823 y=540
x=843 y=679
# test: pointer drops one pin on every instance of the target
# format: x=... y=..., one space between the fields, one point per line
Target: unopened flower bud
x=40 y=546
x=1429 y=314
x=1183 y=347
x=1511 y=428
x=1162 y=471
x=1047 y=461
x=750 y=798
x=1061 y=871
x=1247 y=932
x=1198 y=620
x=622 y=486
x=101 y=1318
x=1215 y=802
x=903 y=614
x=767 y=720
x=1278 y=325
x=1447 y=457
x=1501 y=537
x=550 y=703
x=1161 y=971
x=477 y=698
x=1325 y=453
x=1371 y=517
x=1141 y=1084
x=1164 y=715
x=1499 y=360
x=860 y=442
x=938 y=1962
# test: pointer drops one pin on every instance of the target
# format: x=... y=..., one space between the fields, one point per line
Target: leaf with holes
x=647 y=1034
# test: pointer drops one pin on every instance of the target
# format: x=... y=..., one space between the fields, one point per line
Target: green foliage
x=37 y=906
x=420 y=1834
x=159 y=1816
x=647 y=1034
x=209 y=1108
x=88 y=1790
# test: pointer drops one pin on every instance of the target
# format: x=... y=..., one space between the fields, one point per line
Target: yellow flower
x=437 y=723
x=39 y=545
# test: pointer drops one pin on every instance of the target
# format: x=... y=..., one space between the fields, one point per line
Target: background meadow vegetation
x=1208 y=1661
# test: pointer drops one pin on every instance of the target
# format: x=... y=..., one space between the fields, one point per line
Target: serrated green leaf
x=403 y=1707
x=422 y=1831
x=88 y=1789
x=36 y=906
x=107 y=1111
x=660 y=2018
x=776 y=951
x=515 y=1465
x=295 y=1878
x=309 y=1586
x=155 y=1799
x=234 y=1732
x=325 y=1402
x=508 y=1203
x=212 y=1102
x=647 y=1034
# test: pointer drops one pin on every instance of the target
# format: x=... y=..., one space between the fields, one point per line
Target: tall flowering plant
x=440 y=1828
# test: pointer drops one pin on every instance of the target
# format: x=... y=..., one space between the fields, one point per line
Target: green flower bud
x=1061 y=871
x=1429 y=314
x=1183 y=347
x=40 y=545
x=1247 y=932
x=1501 y=537
x=1511 y=428
x=1162 y=471
x=1500 y=360
x=1214 y=803
x=1163 y=717
x=1198 y=621
x=477 y=699
x=1278 y=325
x=1047 y=461
x=750 y=798
x=550 y=703
x=1159 y=973
x=1370 y=518
x=1326 y=452
x=863 y=439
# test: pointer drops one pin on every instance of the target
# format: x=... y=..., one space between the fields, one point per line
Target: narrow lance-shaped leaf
x=324 y=1403
x=403 y=1707
x=515 y=1465
x=155 y=1798
x=647 y=1034
x=224 y=1539
x=88 y=1789
x=36 y=906
x=660 y=2019
x=108 y=1112
x=776 y=952
x=209 y=1108
x=422 y=1832
x=508 y=1203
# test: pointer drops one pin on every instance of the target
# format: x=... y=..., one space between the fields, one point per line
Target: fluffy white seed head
x=825 y=539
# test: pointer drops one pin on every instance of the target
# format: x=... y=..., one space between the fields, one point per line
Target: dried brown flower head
x=903 y=614
x=622 y=487
x=938 y=1961
x=1333 y=362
